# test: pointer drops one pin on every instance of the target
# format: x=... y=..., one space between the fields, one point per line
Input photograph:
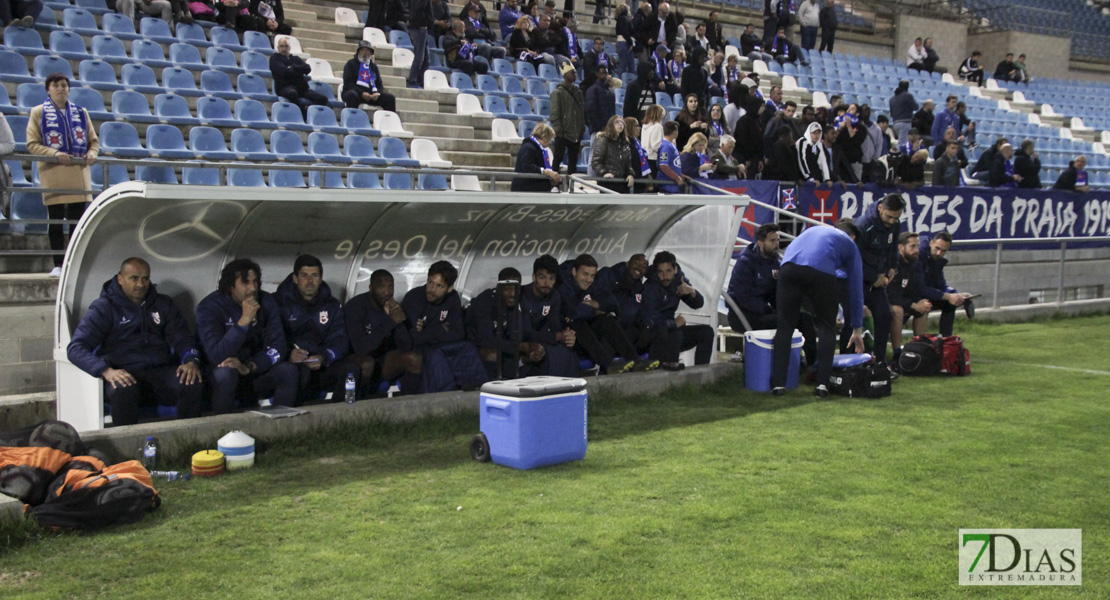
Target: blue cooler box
x=534 y=421
x=757 y=360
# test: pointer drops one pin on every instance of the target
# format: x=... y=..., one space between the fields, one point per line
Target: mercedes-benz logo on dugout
x=190 y=230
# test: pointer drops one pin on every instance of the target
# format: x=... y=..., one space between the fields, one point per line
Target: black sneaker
x=893 y=371
x=646 y=365
x=620 y=366
x=672 y=366
x=821 y=391
x=779 y=391
x=969 y=309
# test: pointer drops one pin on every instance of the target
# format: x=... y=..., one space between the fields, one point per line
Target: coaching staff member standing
x=811 y=268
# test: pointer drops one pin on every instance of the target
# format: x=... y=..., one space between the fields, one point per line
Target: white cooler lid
x=529 y=387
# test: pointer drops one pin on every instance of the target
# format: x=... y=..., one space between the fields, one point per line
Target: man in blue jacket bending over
x=812 y=268
x=313 y=323
x=665 y=287
x=138 y=342
x=240 y=329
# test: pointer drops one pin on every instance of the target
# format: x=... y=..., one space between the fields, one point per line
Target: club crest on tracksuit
x=639 y=298
x=442 y=315
x=546 y=309
x=156 y=317
x=368 y=328
x=323 y=317
x=774 y=273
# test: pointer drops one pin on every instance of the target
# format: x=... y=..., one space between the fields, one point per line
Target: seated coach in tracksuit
x=543 y=322
x=379 y=334
x=314 y=326
x=665 y=287
x=588 y=311
x=935 y=287
x=137 y=341
x=624 y=281
x=494 y=323
x=905 y=292
x=240 y=329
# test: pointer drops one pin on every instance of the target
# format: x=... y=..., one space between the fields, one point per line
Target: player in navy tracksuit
x=905 y=292
x=435 y=317
x=240 y=330
x=493 y=323
x=138 y=342
x=313 y=322
x=879 y=228
x=812 y=268
x=378 y=330
x=625 y=282
x=935 y=287
x=587 y=310
x=543 y=323
x=666 y=286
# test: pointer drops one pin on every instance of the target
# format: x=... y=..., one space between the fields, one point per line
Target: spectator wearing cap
x=568 y=119
x=362 y=82
x=661 y=76
x=476 y=29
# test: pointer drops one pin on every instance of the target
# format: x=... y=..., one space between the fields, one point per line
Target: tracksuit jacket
x=316 y=326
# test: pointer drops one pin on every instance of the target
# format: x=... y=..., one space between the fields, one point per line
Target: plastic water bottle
x=170 y=475
x=349 y=387
x=150 y=453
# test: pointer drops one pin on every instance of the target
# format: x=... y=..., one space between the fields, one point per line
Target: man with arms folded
x=543 y=322
x=379 y=335
x=438 y=330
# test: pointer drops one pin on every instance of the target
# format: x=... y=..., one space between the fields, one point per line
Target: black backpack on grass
x=857 y=377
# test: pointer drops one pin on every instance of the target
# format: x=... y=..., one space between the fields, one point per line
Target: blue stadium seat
x=191 y=33
x=251 y=113
x=24 y=41
x=511 y=86
x=92 y=101
x=287 y=146
x=255 y=63
x=501 y=66
x=432 y=181
x=18 y=125
x=150 y=54
x=286 y=178
x=245 y=178
x=68 y=45
x=400 y=38
x=156 y=30
x=322 y=118
x=222 y=59
x=488 y=86
x=326 y=90
x=287 y=115
x=47 y=20
x=45 y=65
x=496 y=105
x=226 y=38
x=200 y=175
x=526 y=70
x=96 y=7
x=174 y=110
x=462 y=82
x=28 y=205
x=153 y=174
x=215 y=112
x=524 y=128
x=80 y=21
x=140 y=78
x=186 y=56
x=98 y=75
x=324 y=147
x=664 y=99
x=116 y=174
x=166 y=141
x=331 y=179
x=398 y=180
x=208 y=143
x=356 y=121
x=538 y=88
x=18 y=178
x=254 y=87
x=121 y=139
x=119 y=26
x=361 y=150
x=180 y=81
x=29 y=95
x=364 y=180
x=393 y=150
x=13 y=68
x=6 y=106
x=218 y=84
x=109 y=49
x=523 y=110
x=248 y=144
x=550 y=73
x=258 y=41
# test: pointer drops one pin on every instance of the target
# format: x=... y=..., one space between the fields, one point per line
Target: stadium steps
x=26 y=335
x=24 y=264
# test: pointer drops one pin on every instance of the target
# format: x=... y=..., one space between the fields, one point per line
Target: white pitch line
x=1073 y=369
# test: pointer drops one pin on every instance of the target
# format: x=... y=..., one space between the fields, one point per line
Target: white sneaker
x=55 y=272
x=365 y=106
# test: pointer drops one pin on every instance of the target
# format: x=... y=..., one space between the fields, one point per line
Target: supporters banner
x=761 y=191
x=972 y=213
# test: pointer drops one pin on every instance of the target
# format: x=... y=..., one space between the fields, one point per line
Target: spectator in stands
x=715 y=72
x=476 y=30
x=291 y=78
x=567 y=33
x=642 y=33
x=681 y=32
x=904 y=292
x=946 y=167
x=751 y=45
x=507 y=18
x=136 y=340
x=902 y=108
x=665 y=287
x=851 y=135
x=695 y=79
x=912 y=172
x=239 y=327
x=777 y=14
x=889 y=139
x=662 y=27
x=626 y=40
x=813 y=163
x=781 y=118
x=782 y=162
x=829 y=25
x=614 y=159
x=61 y=129
x=725 y=165
x=716 y=126
x=942 y=147
x=1003 y=173
x=879 y=230
x=464 y=13
x=782 y=49
x=437 y=328
x=1074 y=178
x=641 y=167
x=837 y=154
x=421 y=24
x=549 y=9
x=204 y=10
x=520 y=44
x=7 y=148
x=695 y=160
x=1006 y=69
x=19 y=12
x=441 y=20
x=543 y=323
x=916 y=55
x=700 y=40
x=127 y=8
x=714 y=33
x=983 y=166
x=737 y=99
x=315 y=328
x=669 y=161
x=690 y=120
x=923 y=122
x=386 y=14
x=362 y=81
x=269 y=17
x=651 y=135
x=380 y=341
x=544 y=40
x=934 y=287
x=731 y=74
x=677 y=63
x=931 y=56
x=597 y=57
x=1027 y=164
x=873 y=144
x=966 y=132
x=749 y=137
x=460 y=53
x=587 y=310
x=945 y=119
x=886 y=172
x=809 y=17
x=640 y=94
x=533 y=158
x=568 y=118
x=970 y=69
x=494 y=323
x=1022 y=71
